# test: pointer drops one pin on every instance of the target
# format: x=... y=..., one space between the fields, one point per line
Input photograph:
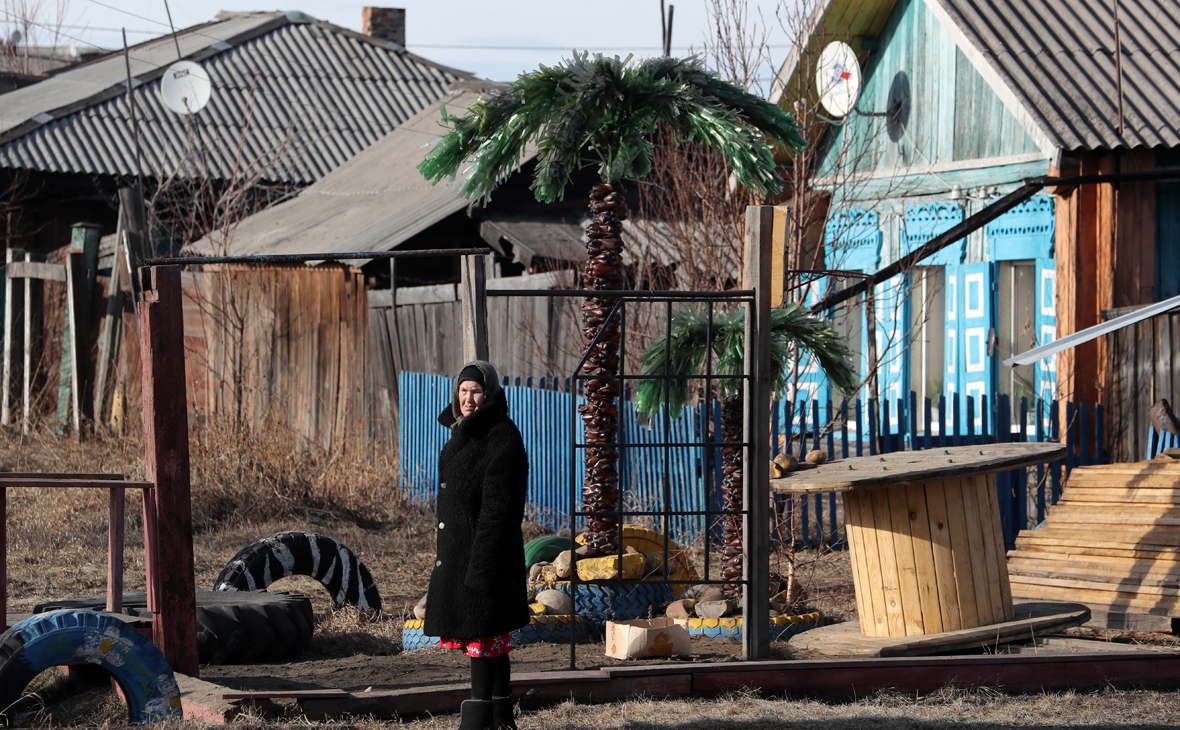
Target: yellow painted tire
x=647 y=541
x=781 y=627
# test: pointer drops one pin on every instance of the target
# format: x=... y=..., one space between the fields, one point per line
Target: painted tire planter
x=277 y=556
x=619 y=601
x=555 y=629
x=50 y=639
x=781 y=627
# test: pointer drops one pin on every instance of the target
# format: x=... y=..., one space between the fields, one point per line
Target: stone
x=537 y=609
x=680 y=609
x=420 y=613
x=535 y=573
x=561 y=565
x=714 y=609
x=585 y=551
x=556 y=602
x=549 y=574
x=654 y=564
x=816 y=456
x=711 y=595
x=607 y=567
x=778 y=607
x=629 y=550
x=421 y=602
x=775 y=614
x=782 y=465
x=780 y=597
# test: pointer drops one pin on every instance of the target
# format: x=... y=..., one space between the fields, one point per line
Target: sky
x=493 y=39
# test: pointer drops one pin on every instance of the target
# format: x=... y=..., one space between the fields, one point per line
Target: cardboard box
x=646 y=638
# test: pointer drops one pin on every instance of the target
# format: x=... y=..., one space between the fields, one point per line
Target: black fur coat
x=477 y=588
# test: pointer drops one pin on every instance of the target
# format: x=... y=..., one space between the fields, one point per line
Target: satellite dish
x=16 y=38
x=185 y=87
x=837 y=79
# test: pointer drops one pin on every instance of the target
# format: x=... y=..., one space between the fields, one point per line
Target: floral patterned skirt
x=488 y=647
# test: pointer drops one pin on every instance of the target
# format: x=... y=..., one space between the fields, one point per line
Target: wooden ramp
x=1112 y=543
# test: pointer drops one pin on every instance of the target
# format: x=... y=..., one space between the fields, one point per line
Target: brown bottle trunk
x=603 y=270
x=732 y=431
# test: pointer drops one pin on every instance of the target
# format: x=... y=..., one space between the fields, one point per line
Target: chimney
x=388 y=24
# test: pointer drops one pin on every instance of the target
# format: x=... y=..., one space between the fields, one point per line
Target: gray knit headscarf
x=491 y=385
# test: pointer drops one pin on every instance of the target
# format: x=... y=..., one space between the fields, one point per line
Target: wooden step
x=1121 y=496
x=1087 y=592
x=1033 y=541
x=1104 y=533
x=1097 y=564
x=1079 y=572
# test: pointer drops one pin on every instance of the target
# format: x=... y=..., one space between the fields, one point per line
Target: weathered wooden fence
x=1142 y=366
x=417 y=330
x=543 y=413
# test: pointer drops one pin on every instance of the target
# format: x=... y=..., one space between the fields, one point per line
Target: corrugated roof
x=373 y=202
x=1056 y=60
x=315 y=94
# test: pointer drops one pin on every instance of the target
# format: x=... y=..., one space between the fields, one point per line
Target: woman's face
x=471 y=397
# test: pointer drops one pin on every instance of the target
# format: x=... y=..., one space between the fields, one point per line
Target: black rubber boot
x=476 y=715
x=504 y=713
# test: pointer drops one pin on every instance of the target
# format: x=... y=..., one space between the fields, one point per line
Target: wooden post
x=75 y=345
x=756 y=481
x=27 y=343
x=108 y=337
x=11 y=255
x=165 y=428
x=115 y=534
x=473 y=293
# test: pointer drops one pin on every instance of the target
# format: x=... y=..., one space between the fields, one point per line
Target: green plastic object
x=545 y=549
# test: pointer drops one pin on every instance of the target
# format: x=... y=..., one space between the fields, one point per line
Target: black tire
x=233 y=627
x=302 y=553
x=51 y=639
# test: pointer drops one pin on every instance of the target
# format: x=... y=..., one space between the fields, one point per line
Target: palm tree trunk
x=603 y=270
x=732 y=431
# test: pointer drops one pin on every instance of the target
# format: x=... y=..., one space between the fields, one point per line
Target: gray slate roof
x=315 y=95
x=373 y=202
x=1054 y=61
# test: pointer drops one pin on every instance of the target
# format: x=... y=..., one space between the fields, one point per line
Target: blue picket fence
x=653 y=475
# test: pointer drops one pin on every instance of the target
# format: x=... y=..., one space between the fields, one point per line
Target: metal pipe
x=280 y=258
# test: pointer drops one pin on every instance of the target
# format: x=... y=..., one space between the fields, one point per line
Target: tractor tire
x=50 y=639
x=233 y=627
x=264 y=561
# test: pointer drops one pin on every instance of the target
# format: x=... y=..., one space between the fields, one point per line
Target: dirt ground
x=57 y=549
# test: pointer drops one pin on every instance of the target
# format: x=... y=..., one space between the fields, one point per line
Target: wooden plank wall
x=1142 y=363
x=286 y=345
x=527 y=336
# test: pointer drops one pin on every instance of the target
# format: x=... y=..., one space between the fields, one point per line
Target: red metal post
x=165 y=428
x=115 y=551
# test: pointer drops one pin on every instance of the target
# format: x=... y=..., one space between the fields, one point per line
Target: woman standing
x=477 y=590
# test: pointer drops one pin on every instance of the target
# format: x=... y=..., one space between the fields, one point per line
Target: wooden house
x=962 y=100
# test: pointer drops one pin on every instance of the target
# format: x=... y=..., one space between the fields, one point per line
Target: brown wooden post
x=473 y=294
x=75 y=346
x=165 y=428
x=756 y=462
x=115 y=535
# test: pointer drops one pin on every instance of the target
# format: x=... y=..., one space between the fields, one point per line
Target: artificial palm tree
x=793 y=333
x=609 y=109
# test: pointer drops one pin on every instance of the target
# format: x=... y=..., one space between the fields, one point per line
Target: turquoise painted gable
x=941 y=110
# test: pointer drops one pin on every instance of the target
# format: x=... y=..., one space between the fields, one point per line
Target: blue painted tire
x=414 y=638
x=602 y=602
x=50 y=639
x=554 y=629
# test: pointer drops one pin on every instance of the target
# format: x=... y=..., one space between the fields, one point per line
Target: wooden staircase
x=1112 y=542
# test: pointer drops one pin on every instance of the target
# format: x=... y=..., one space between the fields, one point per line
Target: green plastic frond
x=794 y=332
x=611 y=108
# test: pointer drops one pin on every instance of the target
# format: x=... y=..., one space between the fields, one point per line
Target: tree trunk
x=600 y=492
x=732 y=431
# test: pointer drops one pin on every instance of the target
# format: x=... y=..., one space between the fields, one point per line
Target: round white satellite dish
x=185 y=87
x=837 y=79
